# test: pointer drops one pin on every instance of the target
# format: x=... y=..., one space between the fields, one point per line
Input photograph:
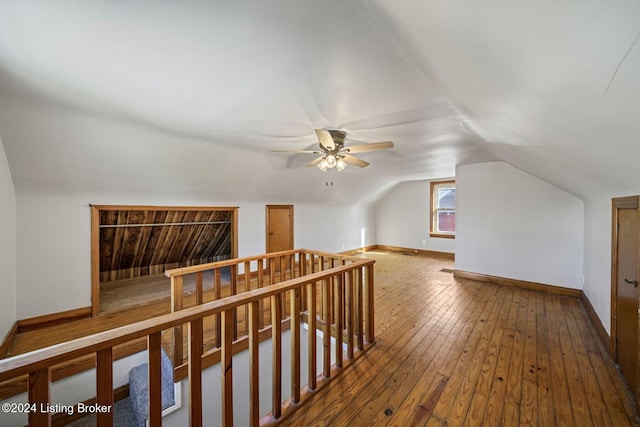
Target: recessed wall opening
x=132 y=246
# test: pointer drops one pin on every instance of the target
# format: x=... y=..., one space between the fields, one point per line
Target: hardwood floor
x=452 y=352
x=458 y=352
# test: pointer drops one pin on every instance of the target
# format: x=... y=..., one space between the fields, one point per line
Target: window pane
x=446 y=198
x=446 y=222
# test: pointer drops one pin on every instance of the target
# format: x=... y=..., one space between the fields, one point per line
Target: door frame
x=267 y=219
x=631 y=202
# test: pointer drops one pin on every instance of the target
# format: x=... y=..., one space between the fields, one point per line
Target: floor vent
x=446 y=270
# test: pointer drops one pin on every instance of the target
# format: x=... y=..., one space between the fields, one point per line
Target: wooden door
x=626 y=249
x=279 y=228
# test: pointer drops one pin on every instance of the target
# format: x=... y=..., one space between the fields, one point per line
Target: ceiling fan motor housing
x=338 y=136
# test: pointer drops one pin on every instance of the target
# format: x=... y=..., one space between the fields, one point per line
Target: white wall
x=597 y=253
x=511 y=224
x=334 y=228
x=403 y=218
x=7 y=246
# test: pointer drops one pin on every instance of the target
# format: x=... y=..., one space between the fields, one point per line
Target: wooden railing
x=257 y=272
x=338 y=299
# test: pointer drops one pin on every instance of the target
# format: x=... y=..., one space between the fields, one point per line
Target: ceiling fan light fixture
x=334 y=153
x=323 y=165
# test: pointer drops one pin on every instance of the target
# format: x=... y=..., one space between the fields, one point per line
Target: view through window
x=443 y=209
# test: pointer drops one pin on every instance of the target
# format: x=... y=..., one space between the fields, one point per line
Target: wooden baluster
x=302 y=263
x=234 y=291
x=272 y=280
x=40 y=395
x=254 y=361
x=349 y=312
x=283 y=277
x=359 y=306
x=195 y=372
x=283 y=268
x=322 y=300
x=311 y=270
x=154 y=343
x=177 y=305
x=247 y=275
x=295 y=302
x=276 y=346
x=260 y=284
x=292 y=266
x=311 y=296
x=104 y=385
x=331 y=288
x=344 y=307
x=368 y=305
x=247 y=287
x=272 y=271
x=226 y=369
x=337 y=310
x=326 y=334
x=218 y=294
x=199 y=288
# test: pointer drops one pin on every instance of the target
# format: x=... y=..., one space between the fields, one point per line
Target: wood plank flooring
x=454 y=352
x=451 y=352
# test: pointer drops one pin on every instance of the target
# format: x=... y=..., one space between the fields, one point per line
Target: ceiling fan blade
x=363 y=148
x=325 y=139
x=355 y=161
x=315 y=162
x=297 y=151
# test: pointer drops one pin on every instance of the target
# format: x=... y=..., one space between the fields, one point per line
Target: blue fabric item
x=225 y=274
x=139 y=389
x=134 y=410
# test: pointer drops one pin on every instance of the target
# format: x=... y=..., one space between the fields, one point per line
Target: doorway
x=625 y=251
x=279 y=226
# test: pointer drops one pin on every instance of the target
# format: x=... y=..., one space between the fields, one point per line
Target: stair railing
x=225 y=278
x=339 y=302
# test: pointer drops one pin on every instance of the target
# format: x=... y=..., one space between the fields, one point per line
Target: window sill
x=443 y=236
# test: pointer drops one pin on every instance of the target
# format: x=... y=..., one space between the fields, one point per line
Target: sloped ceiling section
x=550 y=86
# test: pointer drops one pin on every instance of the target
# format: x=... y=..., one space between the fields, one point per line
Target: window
x=443 y=209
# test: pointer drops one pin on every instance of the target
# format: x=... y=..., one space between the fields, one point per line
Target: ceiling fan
x=334 y=154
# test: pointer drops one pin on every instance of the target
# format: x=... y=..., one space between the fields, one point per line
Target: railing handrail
x=235 y=261
x=331 y=255
x=49 y=356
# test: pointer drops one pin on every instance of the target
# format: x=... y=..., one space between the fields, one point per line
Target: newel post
x=368 y=302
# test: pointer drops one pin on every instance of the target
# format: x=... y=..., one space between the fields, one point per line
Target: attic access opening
x=132 y=246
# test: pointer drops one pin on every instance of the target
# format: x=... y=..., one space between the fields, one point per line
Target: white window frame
x=434 y=232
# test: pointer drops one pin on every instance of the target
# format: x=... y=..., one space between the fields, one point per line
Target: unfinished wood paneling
x=135 y=241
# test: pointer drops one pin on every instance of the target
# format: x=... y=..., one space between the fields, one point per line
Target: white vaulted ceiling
x=176 y=95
